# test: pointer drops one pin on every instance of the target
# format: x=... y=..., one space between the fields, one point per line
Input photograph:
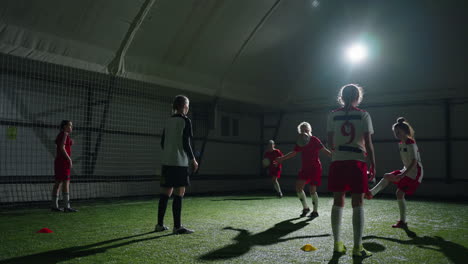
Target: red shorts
x=406 y=184
x=312 y=176
x=276 y=174
x=348 y=175
x=62 y=170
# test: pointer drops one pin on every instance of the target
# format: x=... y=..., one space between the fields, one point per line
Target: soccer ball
x=302 y=140
x=266 y=162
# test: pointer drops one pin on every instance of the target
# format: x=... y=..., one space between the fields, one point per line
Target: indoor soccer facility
x=233 y=131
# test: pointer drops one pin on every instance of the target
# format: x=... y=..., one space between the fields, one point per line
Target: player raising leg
x=408 y=178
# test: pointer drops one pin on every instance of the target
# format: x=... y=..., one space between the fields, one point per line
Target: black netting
x=117 y=127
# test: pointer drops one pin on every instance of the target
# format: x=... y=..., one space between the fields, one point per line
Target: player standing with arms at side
x=349 y=136
x=62 y=167
x=274 y=168
x=177 y=154
x=408 y=178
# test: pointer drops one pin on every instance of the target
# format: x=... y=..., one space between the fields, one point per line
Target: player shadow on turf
x=335 y=257
x=243 y=199
x=66 y=254
x=371 y=246
x=409 y=233
x=245 y=240
x=456 y=253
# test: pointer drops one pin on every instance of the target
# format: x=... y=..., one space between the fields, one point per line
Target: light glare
x=356 y=53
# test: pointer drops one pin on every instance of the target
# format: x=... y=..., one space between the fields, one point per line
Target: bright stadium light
x=315 y=3
x=356 y=53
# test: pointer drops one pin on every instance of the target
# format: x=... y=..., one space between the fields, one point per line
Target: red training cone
x=45 y=230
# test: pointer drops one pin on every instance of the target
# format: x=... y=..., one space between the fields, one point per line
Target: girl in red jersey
x=62 y=166
x=311 y=170
x=274 y=168
x=350 y=138
x=408 y=178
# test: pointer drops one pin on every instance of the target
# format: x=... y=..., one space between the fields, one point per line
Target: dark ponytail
x=350 y=93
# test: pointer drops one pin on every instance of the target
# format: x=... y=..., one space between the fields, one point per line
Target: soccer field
x=231 y=229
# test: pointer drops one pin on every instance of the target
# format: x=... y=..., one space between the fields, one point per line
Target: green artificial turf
x=232 y=229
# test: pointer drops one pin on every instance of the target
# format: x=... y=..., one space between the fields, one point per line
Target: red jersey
x=272 y=155
x=63 y=137
x=310 y=156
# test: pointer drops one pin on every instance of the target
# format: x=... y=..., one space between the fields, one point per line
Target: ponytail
x=402 y=124
x=349 y=94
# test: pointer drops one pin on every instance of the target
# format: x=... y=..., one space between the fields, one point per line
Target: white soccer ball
x=266 y=162
x=302 y=140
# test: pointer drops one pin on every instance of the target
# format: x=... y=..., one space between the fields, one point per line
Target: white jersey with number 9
x=348 y=130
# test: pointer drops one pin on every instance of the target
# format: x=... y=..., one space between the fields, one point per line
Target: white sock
x=302 y=197
x=55 y=199
x=315 y=201
x=402 y=206
x=358 y=225
x=277 y=186
x=66 y=200
x=336 y=215
x=380 y=186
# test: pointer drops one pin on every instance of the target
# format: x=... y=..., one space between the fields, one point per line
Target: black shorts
x=174 y=176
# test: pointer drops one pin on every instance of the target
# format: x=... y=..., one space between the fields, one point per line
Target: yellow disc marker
x=308 y=247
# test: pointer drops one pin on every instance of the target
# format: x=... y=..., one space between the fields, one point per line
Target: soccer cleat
x=280 y=195
x=368 y=195
x=69 y=210
x=305 y=212
x=182 y=231
x=160 y=228
x=400 y=224
x=56 y=209
x=313 y=214
x=361 y=252
x=339 y=247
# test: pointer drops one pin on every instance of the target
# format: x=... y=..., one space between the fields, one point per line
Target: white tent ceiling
x=263 y=51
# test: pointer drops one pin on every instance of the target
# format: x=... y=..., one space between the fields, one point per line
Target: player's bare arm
x=326 y=151
x=290 y=155
x=331 y=142
x=63 y=151
x=194 y=165
x=370 y=154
